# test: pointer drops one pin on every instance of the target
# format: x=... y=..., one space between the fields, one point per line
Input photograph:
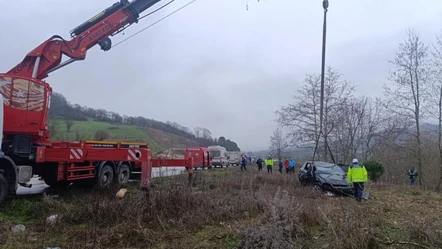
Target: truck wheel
x=106 y=176
x=124 y=175
x=3 y=188
x=51 y=180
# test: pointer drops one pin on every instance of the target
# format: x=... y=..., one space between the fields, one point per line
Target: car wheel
x=316 y=188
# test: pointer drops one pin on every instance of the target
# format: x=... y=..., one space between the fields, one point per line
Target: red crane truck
x=26 y=146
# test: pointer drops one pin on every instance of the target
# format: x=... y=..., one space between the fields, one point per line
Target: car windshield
x=329 y=170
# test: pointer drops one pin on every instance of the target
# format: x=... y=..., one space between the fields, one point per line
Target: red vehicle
x=200 y=155
x=195 y=157
x=26 y=148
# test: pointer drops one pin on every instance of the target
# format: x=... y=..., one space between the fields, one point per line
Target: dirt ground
x=225 y=208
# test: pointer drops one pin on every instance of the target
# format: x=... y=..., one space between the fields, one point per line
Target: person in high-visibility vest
x=269 y=164
x=357 y=174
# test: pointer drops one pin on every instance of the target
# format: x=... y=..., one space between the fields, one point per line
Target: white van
x=218 y=155
x=234 y=157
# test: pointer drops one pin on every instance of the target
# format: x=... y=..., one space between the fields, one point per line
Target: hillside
x=74 y=122
x=84 y=130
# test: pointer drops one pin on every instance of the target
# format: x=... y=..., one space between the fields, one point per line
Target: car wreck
x=325 y=176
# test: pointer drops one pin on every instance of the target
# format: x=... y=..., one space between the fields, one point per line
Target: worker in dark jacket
x=259 y=162
x=412 y=175
x=243 y=163
x=357 y=174
x=280 y=165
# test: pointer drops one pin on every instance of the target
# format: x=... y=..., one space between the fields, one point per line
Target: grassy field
x=226 y=208
x=87 y=129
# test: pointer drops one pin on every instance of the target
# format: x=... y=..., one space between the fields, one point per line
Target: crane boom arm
x=47 y=57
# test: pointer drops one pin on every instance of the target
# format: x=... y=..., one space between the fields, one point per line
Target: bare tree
x=410 y=80
x=278 y=143
x=198 y=132
x=437 y=88
x=302 y=115
x=336 y=96
x=371 y=127
x=116 y=119
x=348 y=133
x=206 y=133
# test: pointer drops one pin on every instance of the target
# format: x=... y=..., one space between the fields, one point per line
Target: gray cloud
x=215 y=64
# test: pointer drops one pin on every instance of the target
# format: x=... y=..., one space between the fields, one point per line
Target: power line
x=182 y=7
x=148 y=14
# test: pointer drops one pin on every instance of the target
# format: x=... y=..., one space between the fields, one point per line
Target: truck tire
x=51 y=180
x=3 y=188
x=124 y=175
x=105 y=177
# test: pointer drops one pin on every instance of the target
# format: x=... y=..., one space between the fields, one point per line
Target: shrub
x=101 y=135
x=375 y=170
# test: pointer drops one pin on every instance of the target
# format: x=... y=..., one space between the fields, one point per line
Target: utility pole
x=321 y=113
x=324 y=36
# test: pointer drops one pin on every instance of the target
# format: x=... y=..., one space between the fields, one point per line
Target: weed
x=223 y=209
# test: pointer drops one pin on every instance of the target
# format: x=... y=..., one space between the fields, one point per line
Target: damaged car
x=328 y=177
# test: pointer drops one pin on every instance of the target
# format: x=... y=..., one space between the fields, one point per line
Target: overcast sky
x=215 y=64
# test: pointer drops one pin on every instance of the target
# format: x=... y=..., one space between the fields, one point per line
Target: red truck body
x=195 y=157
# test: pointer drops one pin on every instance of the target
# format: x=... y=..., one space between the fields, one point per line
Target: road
x=39 y=187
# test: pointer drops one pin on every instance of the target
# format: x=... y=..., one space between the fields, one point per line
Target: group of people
x=356 y=174
x=269 y=163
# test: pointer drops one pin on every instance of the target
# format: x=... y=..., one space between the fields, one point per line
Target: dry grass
x=226 y=208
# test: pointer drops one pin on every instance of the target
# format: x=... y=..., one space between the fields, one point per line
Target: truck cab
x=11 y=175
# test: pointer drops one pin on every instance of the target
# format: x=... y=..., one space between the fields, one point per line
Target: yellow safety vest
x=269 y=162
x=357 y=173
